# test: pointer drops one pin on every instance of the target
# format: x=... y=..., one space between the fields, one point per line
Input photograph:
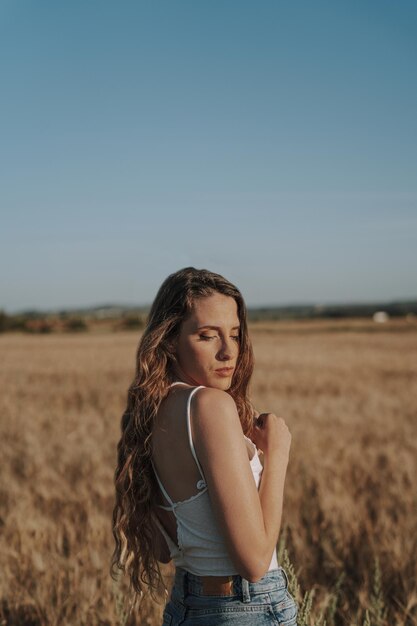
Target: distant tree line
x=33 y=322
x=314 y=311
x=131 y=318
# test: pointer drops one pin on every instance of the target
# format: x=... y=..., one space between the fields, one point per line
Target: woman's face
x=209 y=341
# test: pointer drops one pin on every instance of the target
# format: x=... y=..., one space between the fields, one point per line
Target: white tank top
x=201 y=547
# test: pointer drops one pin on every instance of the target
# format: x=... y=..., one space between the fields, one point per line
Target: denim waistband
x=187 y=583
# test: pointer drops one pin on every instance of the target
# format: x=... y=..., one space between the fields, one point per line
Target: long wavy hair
x=135 y=485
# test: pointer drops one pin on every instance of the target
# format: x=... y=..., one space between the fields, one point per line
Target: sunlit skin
x=208 y=340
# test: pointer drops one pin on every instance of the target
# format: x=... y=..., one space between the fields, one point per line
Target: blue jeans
x=267 y=601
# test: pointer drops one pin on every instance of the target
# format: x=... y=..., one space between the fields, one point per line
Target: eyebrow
x=216 y=327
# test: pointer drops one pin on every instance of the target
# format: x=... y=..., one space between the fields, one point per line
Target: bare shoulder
x=210 y=396
x=213 y=409
x=216 y=427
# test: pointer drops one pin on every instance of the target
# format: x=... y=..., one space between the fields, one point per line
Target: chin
x=219 y=382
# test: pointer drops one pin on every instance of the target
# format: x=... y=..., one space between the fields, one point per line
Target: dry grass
x=349 y=524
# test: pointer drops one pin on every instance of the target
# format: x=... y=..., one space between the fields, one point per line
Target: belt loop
x=285 y=576
x=245 y=590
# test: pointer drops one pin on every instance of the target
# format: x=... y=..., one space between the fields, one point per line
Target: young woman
x=189 y=482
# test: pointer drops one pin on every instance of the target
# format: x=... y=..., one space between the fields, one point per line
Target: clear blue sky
x=274 y=142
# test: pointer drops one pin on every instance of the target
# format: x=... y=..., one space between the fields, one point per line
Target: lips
x=225 y=370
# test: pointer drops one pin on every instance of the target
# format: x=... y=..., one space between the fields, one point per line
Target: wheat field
x=349 y=527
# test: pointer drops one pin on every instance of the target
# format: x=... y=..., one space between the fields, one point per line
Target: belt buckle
x=217 y=585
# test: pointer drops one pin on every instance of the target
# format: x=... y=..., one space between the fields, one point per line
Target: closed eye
x=236 y=337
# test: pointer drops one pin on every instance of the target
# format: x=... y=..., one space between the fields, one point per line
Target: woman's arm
x=250 y=521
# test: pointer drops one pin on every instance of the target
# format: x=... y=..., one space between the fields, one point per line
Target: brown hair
x=133 y=526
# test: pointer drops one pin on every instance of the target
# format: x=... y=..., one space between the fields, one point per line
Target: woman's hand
x=270 y=434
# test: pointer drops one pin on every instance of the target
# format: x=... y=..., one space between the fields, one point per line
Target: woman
x=189 y=482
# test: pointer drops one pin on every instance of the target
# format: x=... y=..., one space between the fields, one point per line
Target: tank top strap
x=172 y=504
x=168 y=539
x=201 y=483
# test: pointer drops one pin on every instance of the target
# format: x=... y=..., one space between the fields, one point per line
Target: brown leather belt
x=217 y=585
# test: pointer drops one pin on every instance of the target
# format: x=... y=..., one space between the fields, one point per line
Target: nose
x=227 y=350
